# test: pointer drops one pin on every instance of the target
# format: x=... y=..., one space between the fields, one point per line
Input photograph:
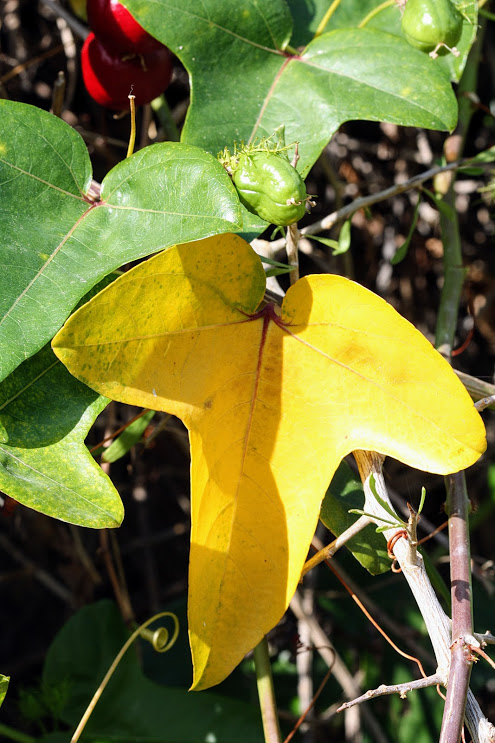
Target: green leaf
x=344 y=242
x=487 y=156
x=56 y=243
x=278 y=268
x=386 y=507
x=133 y=708
x=471 y=171
x=240 y=72
x=4 y=683
x=455 y=65
x=334 y=244
x=346 y=492
x=341 y=245
x=276 y=264
x=132 y=435
x=45 y=414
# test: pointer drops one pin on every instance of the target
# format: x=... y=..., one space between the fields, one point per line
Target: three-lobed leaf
x=56 y=242
x=241 y=50
x=273 y=400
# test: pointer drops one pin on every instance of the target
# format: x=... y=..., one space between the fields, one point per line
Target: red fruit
x=116 y=28
x=110 y=78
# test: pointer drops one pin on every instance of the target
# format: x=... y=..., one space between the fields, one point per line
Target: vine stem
x=293 y=236
x=331 y=10
x=375 y=11
x=457 y=497
x=436 y=621
x=266 y=693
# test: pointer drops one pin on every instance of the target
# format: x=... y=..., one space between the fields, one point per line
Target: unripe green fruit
x=428 y=23
x=269 y=186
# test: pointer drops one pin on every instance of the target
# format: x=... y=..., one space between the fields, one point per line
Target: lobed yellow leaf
x=273 y=400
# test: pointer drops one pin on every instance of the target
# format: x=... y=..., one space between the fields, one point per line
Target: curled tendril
x=159 y=638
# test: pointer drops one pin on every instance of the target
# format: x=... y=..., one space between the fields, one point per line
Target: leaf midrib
x=210 y=23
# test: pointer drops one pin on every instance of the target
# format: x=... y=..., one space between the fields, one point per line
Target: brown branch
x=462 y=615
x=485 y=639
x=78 y=28
x=436 y=621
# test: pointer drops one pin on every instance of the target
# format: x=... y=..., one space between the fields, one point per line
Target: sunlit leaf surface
x=273 y=399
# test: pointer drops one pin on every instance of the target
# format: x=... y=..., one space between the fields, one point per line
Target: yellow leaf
x=273 y=399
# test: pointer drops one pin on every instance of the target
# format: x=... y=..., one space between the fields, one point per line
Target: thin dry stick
x=30 y=62
x=120 y=592
x=366 y=201
x=333 y=660
x=47 y=580
x=457 y=497
x=76 y=26
x=309 y=708
x=486 y=402
x=327 y=552
x=58 y=94
x=477 y=388
x=114 y=434
x=401 y=689
x=485 y=639
x=304 y=658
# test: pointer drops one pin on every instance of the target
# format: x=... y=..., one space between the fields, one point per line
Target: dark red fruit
x=110 y=78
x=115 y=27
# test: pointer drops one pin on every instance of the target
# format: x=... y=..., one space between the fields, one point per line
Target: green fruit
x=428 y=23
x=269 y=186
